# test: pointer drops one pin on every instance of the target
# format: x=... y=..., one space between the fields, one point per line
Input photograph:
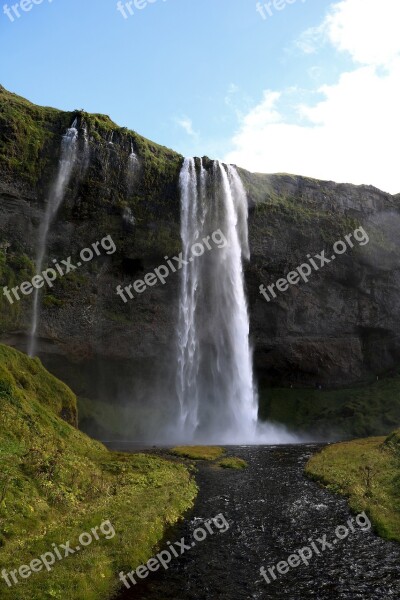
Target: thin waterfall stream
x=69 y=146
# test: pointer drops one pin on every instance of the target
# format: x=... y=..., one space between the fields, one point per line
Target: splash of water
x=215 y=387
x=69 y=144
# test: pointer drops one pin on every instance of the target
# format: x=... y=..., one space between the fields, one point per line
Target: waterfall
x=128 y=218
x=217 y=400
x=133 y=163
x=188 y=343
x=56 y=196
x=133 y=159
x=86 y=149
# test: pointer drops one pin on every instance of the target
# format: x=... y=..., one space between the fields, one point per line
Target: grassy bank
x=232 y=462
x=367 y=472
x=353 y=412
x=198 y=452
x=211 y=454
x=56 y=483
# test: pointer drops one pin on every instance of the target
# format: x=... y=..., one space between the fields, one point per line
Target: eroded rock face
x=339 y=328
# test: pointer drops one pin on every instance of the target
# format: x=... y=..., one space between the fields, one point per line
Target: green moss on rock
x=56 y=483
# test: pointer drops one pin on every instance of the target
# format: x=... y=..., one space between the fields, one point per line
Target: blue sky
x=185 y=73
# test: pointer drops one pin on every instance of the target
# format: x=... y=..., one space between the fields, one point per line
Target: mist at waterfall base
x=215 y=387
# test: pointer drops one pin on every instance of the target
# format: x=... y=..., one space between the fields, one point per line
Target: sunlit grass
x=199 y=452
x=232 y=462
x=367 y=472
x=56 y=483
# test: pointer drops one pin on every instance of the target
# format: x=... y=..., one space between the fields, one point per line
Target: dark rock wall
x=340 y=328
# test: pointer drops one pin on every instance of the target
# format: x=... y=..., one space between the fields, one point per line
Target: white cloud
x=310 y=40
x=187 y=125
x=368 y=29
x=351 y=134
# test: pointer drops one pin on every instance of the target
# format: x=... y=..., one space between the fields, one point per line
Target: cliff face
x=340 y=328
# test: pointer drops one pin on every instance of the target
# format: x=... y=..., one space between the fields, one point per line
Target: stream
x=272 y=511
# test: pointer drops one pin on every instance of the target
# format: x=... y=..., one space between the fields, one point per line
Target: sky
x=310 y=87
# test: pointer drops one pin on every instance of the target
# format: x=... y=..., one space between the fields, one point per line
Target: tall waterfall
x=69 y=145
x=214 y=364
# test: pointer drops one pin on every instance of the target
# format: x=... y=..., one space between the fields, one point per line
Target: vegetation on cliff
x=15 y=267
x=367 y=472
x=372 y=409
x=30 y=134
x=139 y=208
x=27 y=134
x=56 y=483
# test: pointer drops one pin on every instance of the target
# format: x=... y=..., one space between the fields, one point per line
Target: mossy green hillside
x=26 y=384
x=27 y=134
x=56 y=483
x=367 y=472
x=28 y=131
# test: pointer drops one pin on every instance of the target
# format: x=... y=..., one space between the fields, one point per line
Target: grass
x=232 y=462
x=56 y=483
x=367 y=472
x=210 y=453
x=198 y=452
